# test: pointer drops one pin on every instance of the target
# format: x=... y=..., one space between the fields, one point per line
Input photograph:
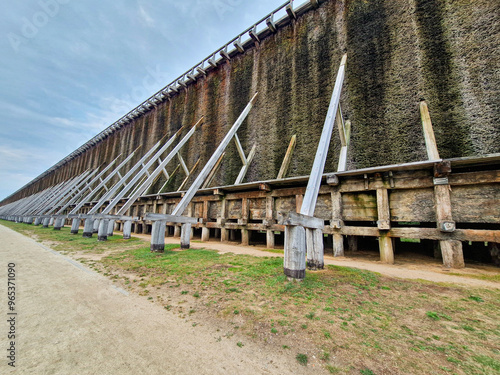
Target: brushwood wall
x=399 y=52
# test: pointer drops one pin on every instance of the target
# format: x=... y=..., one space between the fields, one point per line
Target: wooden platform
x=448 y=201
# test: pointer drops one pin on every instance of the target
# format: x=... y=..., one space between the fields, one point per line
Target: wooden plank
x=415 y=205
x=170 y=218
x=359 y=207
x=452 y=254
x=287 y=159
x=430 y=140
x=474 y=178
x=474 y=235
x=294 y=219
x=476 y=204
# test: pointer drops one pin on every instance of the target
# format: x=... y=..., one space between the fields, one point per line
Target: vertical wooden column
x=451 y=250
x=205 y=232
x=384 y=225
x=185 y=235
x=294 y=261
x=244 y=220
x=270 y=243
x=127 y=229
x=158 y=236
x=222 y=220
x=337 y=222
x=103 y=230
x=315 y=249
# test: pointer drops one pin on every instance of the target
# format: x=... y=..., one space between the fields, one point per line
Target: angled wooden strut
x=302 y=239
x=287 y=159
x=451 y=250
x=158 y=230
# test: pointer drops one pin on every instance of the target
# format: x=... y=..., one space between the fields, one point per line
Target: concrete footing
x=88 y=228
x=102 y=231
x=58 y=223
x=46 y=222
x=111 y=228
x=127 y=229
x=75 y=226
x=186 y=236
x=158 y=236
x=294 y=263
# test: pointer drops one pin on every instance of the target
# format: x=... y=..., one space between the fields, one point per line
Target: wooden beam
x=288 y=158
x=294 y=219
x=430 y=139
x=170 y=218
x=314 y=184
x=246 y=165
x=189 y=175
x=213 y=172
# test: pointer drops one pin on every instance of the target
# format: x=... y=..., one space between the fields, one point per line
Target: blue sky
x=69 y=69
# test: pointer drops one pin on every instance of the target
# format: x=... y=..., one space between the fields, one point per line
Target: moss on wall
x=399 y=52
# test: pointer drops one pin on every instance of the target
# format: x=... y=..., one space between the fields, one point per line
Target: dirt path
x=425 y=270
x=74 y=321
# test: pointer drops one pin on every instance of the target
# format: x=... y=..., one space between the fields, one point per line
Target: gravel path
x=74 y=321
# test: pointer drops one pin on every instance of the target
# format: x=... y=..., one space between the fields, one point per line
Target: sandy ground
x=74 y=321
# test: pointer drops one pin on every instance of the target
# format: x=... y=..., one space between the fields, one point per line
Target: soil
x=72 y=320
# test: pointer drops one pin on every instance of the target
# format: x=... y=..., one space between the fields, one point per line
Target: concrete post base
x=205 y=234
x=88 y=228
x=158 y=236
x=111 y=228
x=186 y=236
x=102 y=232
x=95 y=228
x=315 y=249
x=127 y=230
x=58 y=224
x=46 y=222
x=294 y=263
x=75 y=226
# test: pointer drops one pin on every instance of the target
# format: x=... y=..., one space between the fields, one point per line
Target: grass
x=349 y=319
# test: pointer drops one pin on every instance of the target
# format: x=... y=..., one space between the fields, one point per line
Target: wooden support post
x=211 y=176
x=430 y=139
x=127 y=229
x=158 y=236
x=111 y=228
x=224 y=234
x=245 y=237
x=58 y=223
x=337 y=223
x=95 y=229
x=494 y=249
x=46 y=222
x=288 y=158
x=88 y=227
x=294 y=265
x=452 y=252
x=205 y=234
x=177 y=231
x=338 y=244
x=352 y=243
x=38 y=221
x=102 y=234
x=270 y=244
x=315 y=249
x=185 y=235
x=75 y=225
x=386 y=249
